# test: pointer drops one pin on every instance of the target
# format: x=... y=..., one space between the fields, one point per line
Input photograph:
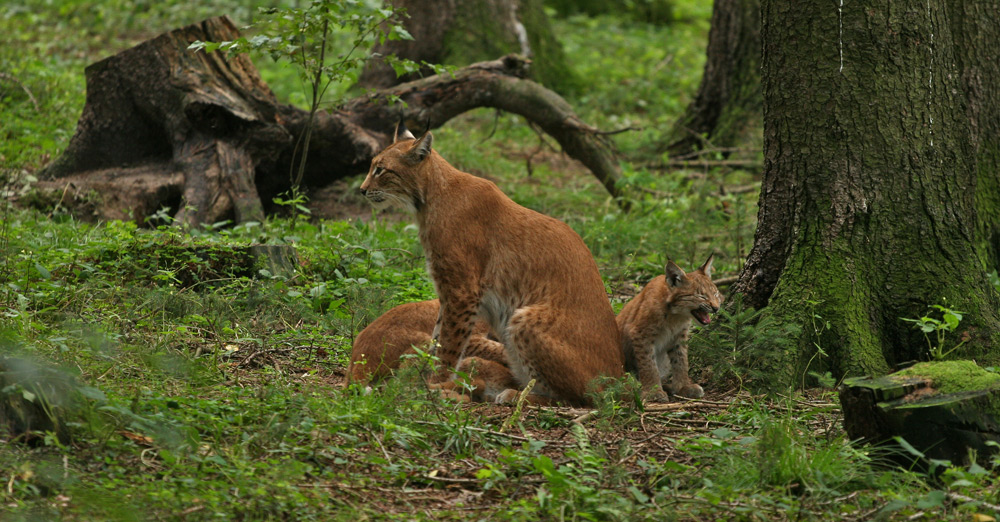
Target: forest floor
x=190 y=387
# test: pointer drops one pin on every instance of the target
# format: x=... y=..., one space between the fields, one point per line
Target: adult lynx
x=529 y=276
x=654 y=327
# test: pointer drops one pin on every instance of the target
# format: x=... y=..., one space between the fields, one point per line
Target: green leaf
x=43 y=272
x=638 y=495
x=933 y=499
x=91 y=392
x=908 y=447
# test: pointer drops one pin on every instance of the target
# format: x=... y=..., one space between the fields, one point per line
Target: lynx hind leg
x=484 y=348
x=679 y=381
x=561 y=369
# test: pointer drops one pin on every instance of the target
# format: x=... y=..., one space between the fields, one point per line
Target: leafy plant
x=304 y=37
x=940 y=328
x=740 y=344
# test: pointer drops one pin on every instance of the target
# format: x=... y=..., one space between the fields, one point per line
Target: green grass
x=188 y=388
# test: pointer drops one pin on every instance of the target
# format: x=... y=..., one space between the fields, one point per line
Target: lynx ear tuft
x=401 y=132
x=421 y=149
x=707 y=267
x=675 y=276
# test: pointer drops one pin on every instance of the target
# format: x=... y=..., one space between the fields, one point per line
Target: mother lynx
x=528 y=275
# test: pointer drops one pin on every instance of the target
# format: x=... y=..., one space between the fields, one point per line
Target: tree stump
x=157 y=114
x=942 y=409
x=164 y=126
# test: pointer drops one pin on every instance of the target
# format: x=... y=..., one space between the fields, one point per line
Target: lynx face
x=695 y=293
x=394 y=178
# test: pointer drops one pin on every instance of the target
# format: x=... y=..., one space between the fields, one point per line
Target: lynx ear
x=707 y=267
x=421 y=149
x=401 y=132
x=675 y=276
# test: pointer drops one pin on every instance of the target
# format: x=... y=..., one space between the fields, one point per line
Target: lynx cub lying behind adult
x=529 y=276
x=379 y=348
x=654 y=326
x=654 y=329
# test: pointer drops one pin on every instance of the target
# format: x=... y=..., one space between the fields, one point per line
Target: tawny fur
x=654 y=328
x=529 y=276
x=380 y=348
x=655 y=324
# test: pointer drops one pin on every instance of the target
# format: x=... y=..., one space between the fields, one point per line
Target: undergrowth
x=152 y=372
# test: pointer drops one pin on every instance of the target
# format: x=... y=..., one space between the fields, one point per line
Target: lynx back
x=379 y=349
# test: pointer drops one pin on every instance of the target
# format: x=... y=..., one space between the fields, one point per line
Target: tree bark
x=461 y=32
x=202 y=134
x=976 y=31
x=867 y=210
x=157 y=114
x=727 y=111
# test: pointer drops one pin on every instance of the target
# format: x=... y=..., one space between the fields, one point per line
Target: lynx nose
x=363 y=191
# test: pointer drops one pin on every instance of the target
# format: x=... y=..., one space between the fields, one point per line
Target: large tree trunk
x=976 y=31
x=867 y=207
x=460 y=32
x=202 y=134
x=727 y=111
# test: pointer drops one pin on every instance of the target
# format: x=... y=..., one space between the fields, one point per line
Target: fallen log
x=944 y=410
x=202 y=134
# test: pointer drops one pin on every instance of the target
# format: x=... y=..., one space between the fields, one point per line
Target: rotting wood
x=202 y=134
x=940 y=422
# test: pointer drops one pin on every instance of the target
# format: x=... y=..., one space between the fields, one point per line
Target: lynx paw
x=655 y=395
x=454 y=395
x=691 y=391
x=508 y=396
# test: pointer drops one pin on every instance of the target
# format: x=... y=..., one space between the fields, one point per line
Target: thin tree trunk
x=867 y=208
x=461 y=32
x=726 y=112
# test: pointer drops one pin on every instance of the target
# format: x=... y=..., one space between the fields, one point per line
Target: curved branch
x=430 y=102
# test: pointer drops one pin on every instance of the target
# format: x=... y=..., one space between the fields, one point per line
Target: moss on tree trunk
x=976 y=32
x=867 y=208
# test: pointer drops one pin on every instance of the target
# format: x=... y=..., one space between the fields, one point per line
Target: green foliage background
x=189 y=388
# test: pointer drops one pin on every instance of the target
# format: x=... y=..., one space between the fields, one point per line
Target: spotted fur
x=655 y=324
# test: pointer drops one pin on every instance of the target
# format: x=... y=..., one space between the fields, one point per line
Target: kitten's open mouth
x=701 y=315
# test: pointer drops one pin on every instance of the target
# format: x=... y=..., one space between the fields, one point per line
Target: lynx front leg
x=457 y=320
x=680 y=383
x=648 y=368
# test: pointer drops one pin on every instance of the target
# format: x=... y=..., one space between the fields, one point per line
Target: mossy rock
x=37 y=398
x=943 y=409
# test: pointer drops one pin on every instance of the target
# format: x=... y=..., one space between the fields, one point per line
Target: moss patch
x=952 y=376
